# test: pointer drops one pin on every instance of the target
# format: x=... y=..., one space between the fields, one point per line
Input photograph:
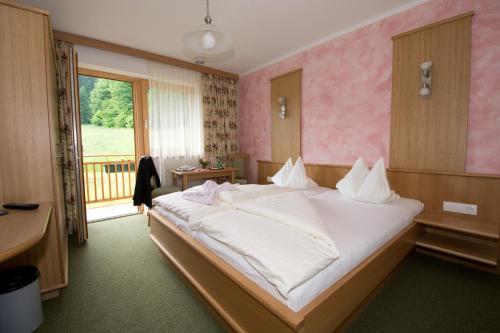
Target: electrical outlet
x=269 y=179
x=457 y=207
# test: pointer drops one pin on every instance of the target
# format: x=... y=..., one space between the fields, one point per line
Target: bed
x=245 y=304
x=359 y=229
x=356 y=240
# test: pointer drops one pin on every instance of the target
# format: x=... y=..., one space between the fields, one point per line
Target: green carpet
x=119 y=283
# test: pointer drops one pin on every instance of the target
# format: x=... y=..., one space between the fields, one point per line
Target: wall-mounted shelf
x=483 y=253
x=460 y=237
x=478 y=228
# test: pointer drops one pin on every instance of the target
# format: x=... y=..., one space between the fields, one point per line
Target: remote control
x=22 y=206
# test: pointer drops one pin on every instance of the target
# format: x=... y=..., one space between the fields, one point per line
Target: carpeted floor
x=119 y=283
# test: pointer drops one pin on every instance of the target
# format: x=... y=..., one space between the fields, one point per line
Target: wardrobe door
x=25 y=166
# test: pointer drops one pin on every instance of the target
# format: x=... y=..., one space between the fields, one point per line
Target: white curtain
x=175 y=118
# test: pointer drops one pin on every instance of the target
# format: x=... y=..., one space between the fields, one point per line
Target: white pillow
x=375 y=188
x=281 y=176
x=297 y=178
x=351 y=183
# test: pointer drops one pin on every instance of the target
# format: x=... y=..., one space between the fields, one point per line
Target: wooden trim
x=117 y=48
x=246 y=307
x=15 y=4
x=285 y=74
x=432 y=25
x=447 y=173
x=54 y=288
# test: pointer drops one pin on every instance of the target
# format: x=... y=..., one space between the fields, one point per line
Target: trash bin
x=20 y=301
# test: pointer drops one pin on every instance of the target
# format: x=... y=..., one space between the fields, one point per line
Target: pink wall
x=346 y=91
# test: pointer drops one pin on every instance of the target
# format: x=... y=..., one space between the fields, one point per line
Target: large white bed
x=358 y=230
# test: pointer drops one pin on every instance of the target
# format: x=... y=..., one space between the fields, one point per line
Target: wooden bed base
x=246 y=307
x=243 y=306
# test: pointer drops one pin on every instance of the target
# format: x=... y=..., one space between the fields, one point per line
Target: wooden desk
x=21 y=229
x=198 y=174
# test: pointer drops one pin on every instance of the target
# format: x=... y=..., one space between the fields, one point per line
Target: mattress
x=358 y=229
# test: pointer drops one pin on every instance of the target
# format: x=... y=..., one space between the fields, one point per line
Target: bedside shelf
x=483 y=253
x=452 y=223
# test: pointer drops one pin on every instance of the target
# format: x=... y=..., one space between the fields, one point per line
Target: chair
x=240 y=162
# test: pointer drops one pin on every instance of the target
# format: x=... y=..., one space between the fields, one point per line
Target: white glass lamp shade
x=207 y=40
x=424 y=92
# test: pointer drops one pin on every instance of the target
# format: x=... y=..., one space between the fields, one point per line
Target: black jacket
x=143 y=185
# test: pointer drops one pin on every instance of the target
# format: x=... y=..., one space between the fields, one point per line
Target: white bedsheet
x=358 y=230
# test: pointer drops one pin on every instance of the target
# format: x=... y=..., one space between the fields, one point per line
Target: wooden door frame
x=140 y=108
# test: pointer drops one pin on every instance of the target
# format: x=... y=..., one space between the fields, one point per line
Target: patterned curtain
x=220 y=118
x=68 y=105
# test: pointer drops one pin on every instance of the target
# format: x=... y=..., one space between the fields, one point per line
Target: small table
x=198 y=174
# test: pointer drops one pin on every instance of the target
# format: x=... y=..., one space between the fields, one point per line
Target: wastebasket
x=20 y=301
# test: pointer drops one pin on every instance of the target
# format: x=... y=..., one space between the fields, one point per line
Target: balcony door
x=113 y=114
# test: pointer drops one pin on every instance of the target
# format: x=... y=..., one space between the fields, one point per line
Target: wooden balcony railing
x=108 y=178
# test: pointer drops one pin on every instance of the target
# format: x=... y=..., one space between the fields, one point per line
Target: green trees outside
x=106 y=103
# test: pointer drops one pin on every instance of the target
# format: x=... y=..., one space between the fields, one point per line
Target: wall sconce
x=425 y=79
x=282 y=103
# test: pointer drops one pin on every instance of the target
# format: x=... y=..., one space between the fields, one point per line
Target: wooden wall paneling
x=430 y=187
x=431 y=134
x=286 y=133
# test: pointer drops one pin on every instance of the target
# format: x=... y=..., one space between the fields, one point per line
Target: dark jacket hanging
x=146 y=173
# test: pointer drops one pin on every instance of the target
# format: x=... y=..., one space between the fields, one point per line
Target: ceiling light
x=206 y=40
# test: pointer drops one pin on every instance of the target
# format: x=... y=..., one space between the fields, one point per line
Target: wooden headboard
x=431 y=188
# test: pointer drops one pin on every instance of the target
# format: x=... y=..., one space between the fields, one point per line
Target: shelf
x=478 y=228
x=483 y=253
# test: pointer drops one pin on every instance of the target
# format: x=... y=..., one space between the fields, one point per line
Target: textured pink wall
x=346 y=91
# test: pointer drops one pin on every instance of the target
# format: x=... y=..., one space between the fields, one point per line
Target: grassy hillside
x=102 y=140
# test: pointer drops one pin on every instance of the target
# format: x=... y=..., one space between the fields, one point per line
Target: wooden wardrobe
x=30 y=161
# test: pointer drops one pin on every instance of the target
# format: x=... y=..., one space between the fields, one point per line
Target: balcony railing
x=108 y=177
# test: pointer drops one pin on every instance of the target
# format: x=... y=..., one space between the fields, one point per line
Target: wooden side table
x=200 y=174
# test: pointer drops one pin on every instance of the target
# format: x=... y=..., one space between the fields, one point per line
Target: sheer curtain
x=175 y=118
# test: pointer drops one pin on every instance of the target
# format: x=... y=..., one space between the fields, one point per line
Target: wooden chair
x=240 y=161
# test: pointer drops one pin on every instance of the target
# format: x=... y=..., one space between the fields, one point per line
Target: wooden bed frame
x=243 y=306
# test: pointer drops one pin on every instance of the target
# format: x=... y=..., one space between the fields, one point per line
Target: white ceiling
x=263 y=31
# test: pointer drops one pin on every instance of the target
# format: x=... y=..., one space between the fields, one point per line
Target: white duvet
x=276 y=230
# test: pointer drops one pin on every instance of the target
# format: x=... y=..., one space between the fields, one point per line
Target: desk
x=198 y=174
x=21 y=229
